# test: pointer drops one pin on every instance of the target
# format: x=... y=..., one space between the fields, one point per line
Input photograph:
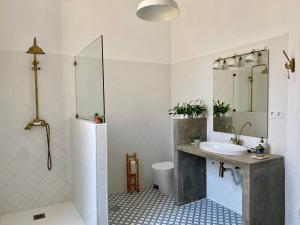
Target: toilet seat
x=163 y=165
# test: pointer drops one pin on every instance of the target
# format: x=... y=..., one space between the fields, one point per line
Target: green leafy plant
x=221 y=107
x=177 y=110
x=199 y=108
x=188 y=108
x=192 y=108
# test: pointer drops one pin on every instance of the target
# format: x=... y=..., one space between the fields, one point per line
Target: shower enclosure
x=89 y=69
x=89 y=140
x=78 y=179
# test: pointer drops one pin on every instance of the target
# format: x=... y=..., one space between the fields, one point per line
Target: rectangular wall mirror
x=241 y=86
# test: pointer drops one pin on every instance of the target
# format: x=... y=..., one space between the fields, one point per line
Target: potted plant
x=221 y=108
x=178 y=111
x=189 y=110
x=197 y=140
x=98 y=118
x=199 y=109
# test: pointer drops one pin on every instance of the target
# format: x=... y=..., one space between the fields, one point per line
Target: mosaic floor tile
x=150 y=207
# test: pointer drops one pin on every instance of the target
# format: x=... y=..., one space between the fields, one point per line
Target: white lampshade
x=241 y=62
x=217 y=65
x=260 y=58
x=157 y=10
x=250 y=58
x=232 y=63
x=225 y=65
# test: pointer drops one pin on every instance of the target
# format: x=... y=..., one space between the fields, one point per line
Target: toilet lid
x=163 y=166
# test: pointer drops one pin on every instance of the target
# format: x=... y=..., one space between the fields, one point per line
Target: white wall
x=193 y=79
x=66 y=27
x=292 y=154
x=138 y=98
x=206 y=28
x=89 y=160
x=84 y=189
x=25 y=182
x=102 y=174
x=213 y=26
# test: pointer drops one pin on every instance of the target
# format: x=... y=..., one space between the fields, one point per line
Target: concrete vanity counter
x=263 y=184
x=238 y=160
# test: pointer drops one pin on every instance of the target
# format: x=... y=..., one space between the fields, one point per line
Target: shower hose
x=49 y=158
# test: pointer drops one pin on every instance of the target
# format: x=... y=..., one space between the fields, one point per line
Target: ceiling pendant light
x=157 y=10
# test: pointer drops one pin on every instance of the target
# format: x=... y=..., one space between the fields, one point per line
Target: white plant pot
x=200 y=116
x=180 y=116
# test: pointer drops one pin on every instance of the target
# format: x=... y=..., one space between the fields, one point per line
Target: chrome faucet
x=236 y=139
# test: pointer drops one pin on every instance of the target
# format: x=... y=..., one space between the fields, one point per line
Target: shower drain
x=114 y=208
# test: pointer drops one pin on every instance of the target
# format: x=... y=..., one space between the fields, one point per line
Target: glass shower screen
x=89 y=74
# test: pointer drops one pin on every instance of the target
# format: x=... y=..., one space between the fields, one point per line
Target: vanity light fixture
x=241 y=62
x=260 y=58
x=251 y=57
x=225 y=65
x=217 y=64
x=157 y=10
x=232 y=63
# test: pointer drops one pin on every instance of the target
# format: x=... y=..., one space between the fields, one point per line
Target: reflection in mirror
x=241 y=93
x=90 y=81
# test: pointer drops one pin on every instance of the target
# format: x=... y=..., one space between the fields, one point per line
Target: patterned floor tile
x=150 y=207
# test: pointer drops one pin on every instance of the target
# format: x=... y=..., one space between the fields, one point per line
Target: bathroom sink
x=223 y=148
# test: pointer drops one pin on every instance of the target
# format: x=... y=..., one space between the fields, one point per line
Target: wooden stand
x=133 y=183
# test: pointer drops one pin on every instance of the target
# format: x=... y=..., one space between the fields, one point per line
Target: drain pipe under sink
x=237 y=177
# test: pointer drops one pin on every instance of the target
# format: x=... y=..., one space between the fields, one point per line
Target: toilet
x=164 y=177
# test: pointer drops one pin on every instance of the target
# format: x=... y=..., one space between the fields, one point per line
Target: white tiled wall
x=89 y=160
x=102 y=175
x=25 y=182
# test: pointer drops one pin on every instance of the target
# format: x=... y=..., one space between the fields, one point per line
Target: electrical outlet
x=279 y=115
x=276 y=115
x=272 y=115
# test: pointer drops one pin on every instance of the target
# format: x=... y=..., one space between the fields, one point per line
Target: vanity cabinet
x=263 y=183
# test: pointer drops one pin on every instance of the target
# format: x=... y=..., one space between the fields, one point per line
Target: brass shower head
x=35 y=49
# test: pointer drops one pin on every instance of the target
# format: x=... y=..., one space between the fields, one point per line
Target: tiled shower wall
x=25 y=182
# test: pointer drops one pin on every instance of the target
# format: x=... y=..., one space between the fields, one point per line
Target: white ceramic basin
x=223 y=148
